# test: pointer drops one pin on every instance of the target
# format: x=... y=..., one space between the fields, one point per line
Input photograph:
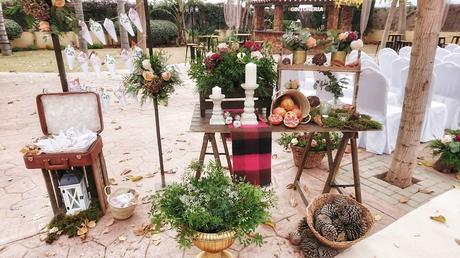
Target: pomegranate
x=275 y=119
x=291 y=120
x=297 y=111
x=287 y=103
x=279 y=111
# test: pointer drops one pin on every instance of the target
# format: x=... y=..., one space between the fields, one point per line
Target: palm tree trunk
x=141 y=38
x=124 y=40
x=402 y=18
x=386 y=31
x=81 y=17
x=180 y=17
x=4 y=42
x=427 y=28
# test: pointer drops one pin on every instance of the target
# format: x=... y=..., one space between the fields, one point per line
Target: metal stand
x=155 y=101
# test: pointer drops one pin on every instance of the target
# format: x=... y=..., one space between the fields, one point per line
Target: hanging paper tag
x=134 y=17
x=85 y=32
x=110 y=62
x=96 y=28
x=124 y=21
x=127 y=60
x=96 y=63
x=83 y=61
x=110 y=28
x=70 y=54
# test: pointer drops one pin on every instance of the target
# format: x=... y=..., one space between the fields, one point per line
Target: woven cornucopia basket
x=299 y=99
x=323 y=199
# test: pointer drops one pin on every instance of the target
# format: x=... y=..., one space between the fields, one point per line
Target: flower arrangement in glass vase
x=341 y=43
x=212 y=210
x=152 y=78
x=298 y=43
x=449 y=150
x=226 y=67
x=297 y=143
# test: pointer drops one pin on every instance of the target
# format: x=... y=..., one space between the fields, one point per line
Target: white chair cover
x=372 y=100
x=453 y=58
x=369 y=63
x=385 y=61
x=451 y=47
x=354 y=55
x=441 y=53
x=457 y=50
x=405 y=52
x=384 y=51
x=396 y=88
x=447 y=91
x=435 y=115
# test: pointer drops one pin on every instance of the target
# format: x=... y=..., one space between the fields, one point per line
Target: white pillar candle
x=216 y=91
x=251 y=74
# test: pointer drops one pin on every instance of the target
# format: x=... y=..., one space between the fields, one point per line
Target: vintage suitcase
x=60 y=111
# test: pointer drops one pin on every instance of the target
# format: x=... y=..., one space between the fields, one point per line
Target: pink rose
x=313 y=143
x=311 y=42
x=343 y=36
x=457 y=138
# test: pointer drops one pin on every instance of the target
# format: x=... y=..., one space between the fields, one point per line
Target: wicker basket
x=118 y=212
x=314 y=158
x=298 y=98
x=322 y=199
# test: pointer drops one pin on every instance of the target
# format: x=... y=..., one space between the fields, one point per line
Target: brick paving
x=25 y=209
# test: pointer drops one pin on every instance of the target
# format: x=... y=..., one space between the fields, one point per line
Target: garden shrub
x=163 y=31
x=96 y=46
x=162 y=12
x=13 y=29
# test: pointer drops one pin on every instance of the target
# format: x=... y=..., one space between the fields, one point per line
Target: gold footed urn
x=213 y=245
x=299 y=57
x=338 y=58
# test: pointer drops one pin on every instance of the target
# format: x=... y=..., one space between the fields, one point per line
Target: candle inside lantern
x=251 y=74
x=216 y=91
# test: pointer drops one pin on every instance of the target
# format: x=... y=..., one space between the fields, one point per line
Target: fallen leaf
x=50 y=254
x=106 y=231
x=171 y=171
x=439 y=218
x=403 y=199
x=110 y=222
x=293 y=202
x=112 y=181
x=2 y=248
x=274 y=156
x=117 y=128
x=82 y=231
x=10 y=102
x=396 y=245
x=10 y=179
x=457 y=176
x=456 y=241
x=270 y=224
x=124 y=160
x=125 y=153
x=305 y=188
x=421 y=157
x=134 y=178
x=91 y=224
x=455 y=186
x=427 y=163
x=181 y=141
x=144 y=230
x=53 y=230
x=122 y=238
x=425 y=191
x=145 y=199
x=252 y=234
x=43 y=237
x=149 y=175
x=125 y=172
x=377 y=217
x=291 y=186
x=2 y=147
x=417 y=235
x=156 y=240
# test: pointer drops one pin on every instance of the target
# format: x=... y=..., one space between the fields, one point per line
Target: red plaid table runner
x=252 y=148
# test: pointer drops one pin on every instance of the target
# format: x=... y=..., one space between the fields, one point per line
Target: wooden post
x=141 y=38
x=402 y=18
x=387 y=29
x=427 y=28
x=278 y=19
x=258 y=17
x=332 y=17
x=347 y=17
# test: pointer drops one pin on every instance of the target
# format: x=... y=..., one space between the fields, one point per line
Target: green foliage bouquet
x=151 y=77
x=226 y=67
x=212 y=204
x=449 y=149
x=295 y=41
x=318 y=143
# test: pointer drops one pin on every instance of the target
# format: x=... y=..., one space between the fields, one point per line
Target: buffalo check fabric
x=251 y=148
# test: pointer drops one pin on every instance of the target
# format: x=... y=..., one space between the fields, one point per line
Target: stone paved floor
x=129 y=143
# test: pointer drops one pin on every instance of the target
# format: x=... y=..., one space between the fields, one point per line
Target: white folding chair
x=453 y=58
x=457 y=50
x=435 y=115
x=384 y=51
x=372 y=100
x=447 y=91
x=451 y=47
x=396 y=89
x=369 y=63
x=385 y=61
x=441 y=53
x=405 y=52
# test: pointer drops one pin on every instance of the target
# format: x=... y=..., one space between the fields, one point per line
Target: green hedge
x=13 y=29
x=163 y=31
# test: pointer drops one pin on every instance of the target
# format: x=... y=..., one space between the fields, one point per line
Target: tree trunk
x=427 y=28
x=402 y=18
x=124 y=40
x=141 y=37
x=180 y=17
x=386 y=31
x=82 y=44
x=4 y=42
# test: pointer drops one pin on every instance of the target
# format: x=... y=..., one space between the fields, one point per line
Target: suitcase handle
x=62 y=166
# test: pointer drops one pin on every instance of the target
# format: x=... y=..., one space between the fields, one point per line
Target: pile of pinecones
x=154 y=86
x=308 y=243
x=340 y=221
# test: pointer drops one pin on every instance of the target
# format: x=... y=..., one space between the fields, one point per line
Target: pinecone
x=322 y=220
x=340 y=201
x=286 y=61
x=354 y=212
x=309 y=247
x=338 y=224
x=319 y=59
x=295 y=238
x=326 y=252
x=314 y=101
x=328 y=231
x=344 y=215
x=329 y=210
x=355 y=231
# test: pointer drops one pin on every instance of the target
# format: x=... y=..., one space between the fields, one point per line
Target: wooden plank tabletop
x=201 y=124
x=303 y=67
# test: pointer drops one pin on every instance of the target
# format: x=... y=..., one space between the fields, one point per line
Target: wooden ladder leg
x=227 y=154
x=98 y=177
x=104 y=169
x=50 y=190
x=337 y=161
x=330 y=160
x=304 y=158
x=215 y=150
x=204 y=146
x=355 y=164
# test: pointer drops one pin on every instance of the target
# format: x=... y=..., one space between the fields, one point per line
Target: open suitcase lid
x=60 y=111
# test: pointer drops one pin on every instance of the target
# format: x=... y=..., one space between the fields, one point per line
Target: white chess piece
x=217 y=117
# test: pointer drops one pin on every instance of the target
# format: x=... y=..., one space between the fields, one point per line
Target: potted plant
x=298 y=43
x=340 y=46
x=297 y=143
x=331 y=84
x=211 y=211
x=449 y=149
